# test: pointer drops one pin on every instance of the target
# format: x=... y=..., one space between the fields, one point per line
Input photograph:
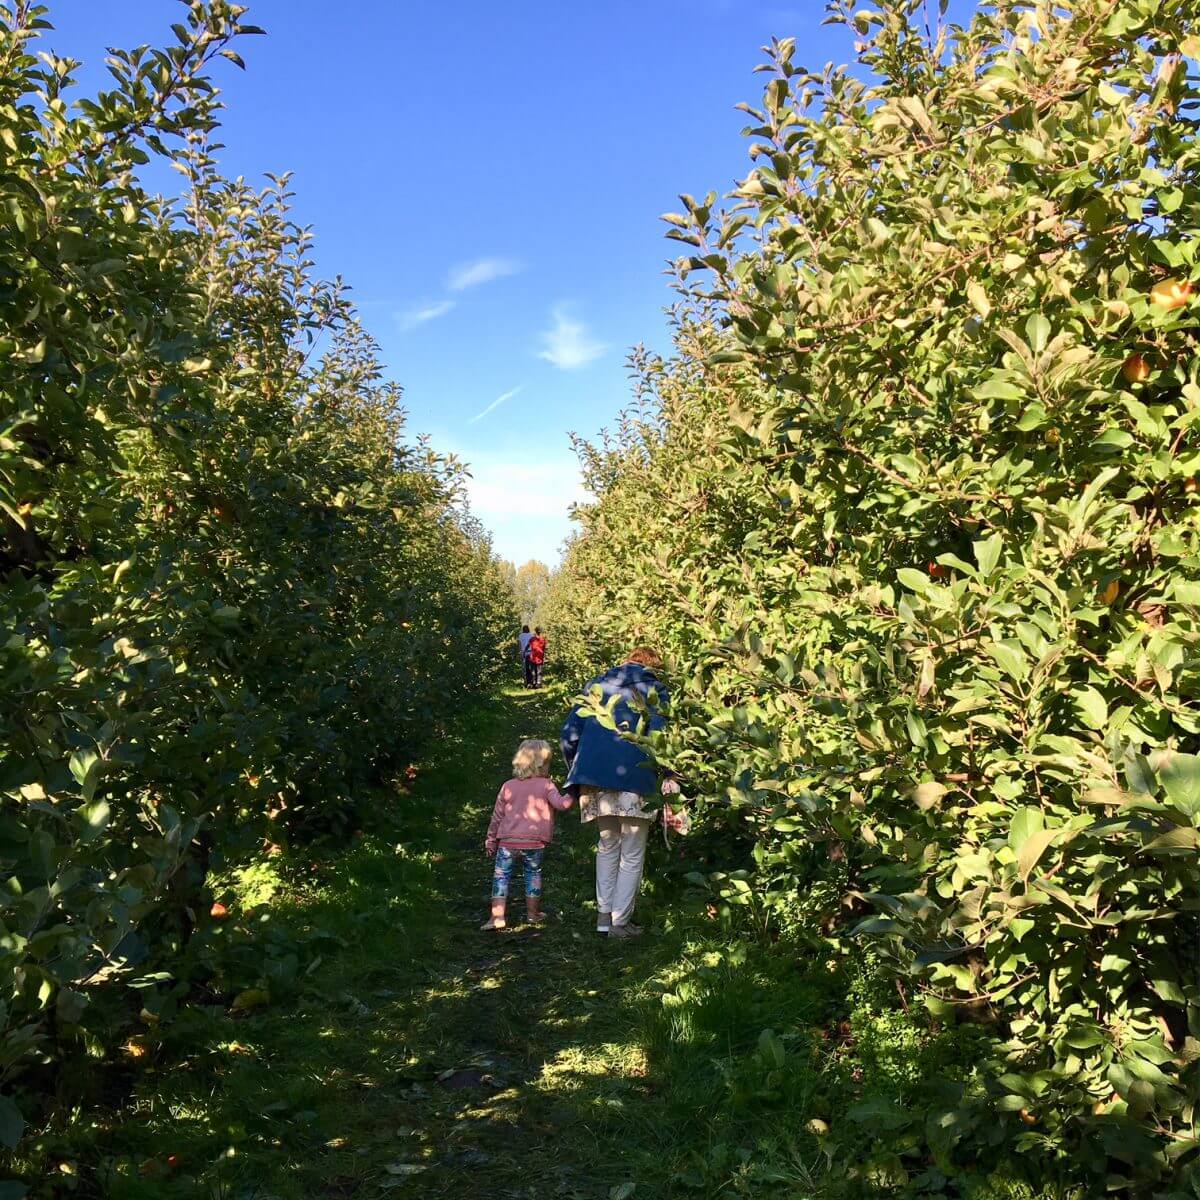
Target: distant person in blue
x=523 y=646
x=613 y=779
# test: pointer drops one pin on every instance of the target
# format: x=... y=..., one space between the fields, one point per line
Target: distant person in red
x=537 y=656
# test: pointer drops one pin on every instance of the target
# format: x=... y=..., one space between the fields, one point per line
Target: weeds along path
x=421 y=1056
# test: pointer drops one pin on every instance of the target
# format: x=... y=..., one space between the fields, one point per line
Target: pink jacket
x=524 y=813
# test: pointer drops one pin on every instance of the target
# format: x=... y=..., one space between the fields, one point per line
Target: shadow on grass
x=420 y=1056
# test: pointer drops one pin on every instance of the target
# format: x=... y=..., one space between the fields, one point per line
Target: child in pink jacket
x=523 y=824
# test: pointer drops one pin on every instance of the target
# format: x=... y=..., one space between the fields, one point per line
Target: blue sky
x=488 y=177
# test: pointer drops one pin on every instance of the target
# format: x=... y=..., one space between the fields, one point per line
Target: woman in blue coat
x=613 y=779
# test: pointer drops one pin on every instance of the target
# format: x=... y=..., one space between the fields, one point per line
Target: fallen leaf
x=250 y=998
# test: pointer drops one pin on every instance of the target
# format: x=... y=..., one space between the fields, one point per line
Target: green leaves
x=978 y=297
x=880 y=1112
x=1010 y=657
x=1176 y=841
x=1037 y=331
x=85 y=766
x=1180 y=778
x=920 y=484
x=1032 y=848
x=95 y=818
x=1025 y=822
x=987 y=554
x=1093 y=710
x=234 y=592
x=913 y=579
x=12 y=1124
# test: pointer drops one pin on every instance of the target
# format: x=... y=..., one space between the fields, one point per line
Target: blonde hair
x=532 y=760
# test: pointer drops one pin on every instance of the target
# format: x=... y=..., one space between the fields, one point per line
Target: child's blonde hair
x=532 y=760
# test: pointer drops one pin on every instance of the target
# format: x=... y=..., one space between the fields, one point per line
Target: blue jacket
x=602 y=758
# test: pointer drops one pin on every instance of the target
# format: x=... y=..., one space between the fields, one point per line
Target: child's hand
x=490 y=849
x=670 y=787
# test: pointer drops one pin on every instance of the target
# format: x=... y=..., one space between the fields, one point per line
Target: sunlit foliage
x=913 y=513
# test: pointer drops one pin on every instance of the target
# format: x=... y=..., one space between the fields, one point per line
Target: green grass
x=403 y=1052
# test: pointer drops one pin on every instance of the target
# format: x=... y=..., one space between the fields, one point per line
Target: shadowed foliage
x=234 y=595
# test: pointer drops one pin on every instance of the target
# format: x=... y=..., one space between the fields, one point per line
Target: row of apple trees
x=914 y=513
x=232 y=594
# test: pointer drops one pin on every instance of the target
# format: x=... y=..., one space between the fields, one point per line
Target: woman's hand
x=670 y=787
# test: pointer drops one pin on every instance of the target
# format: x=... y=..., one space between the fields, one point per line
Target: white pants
x=620 y=857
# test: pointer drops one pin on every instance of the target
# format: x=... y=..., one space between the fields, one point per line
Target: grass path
x=419 y=1056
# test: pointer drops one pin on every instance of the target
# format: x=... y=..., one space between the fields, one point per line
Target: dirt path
x=417 y=1055
x=394 y=1049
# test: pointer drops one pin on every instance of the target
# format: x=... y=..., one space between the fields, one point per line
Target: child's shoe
x=492 y=923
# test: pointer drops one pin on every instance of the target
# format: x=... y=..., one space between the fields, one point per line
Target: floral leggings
x=502 y=875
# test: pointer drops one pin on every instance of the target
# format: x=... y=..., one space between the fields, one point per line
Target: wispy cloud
x=568 y=344
x=495 y=404
x=504 y=487
x=526 y=504
x=425 y=312
x=523 y=499
x=482 y=270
